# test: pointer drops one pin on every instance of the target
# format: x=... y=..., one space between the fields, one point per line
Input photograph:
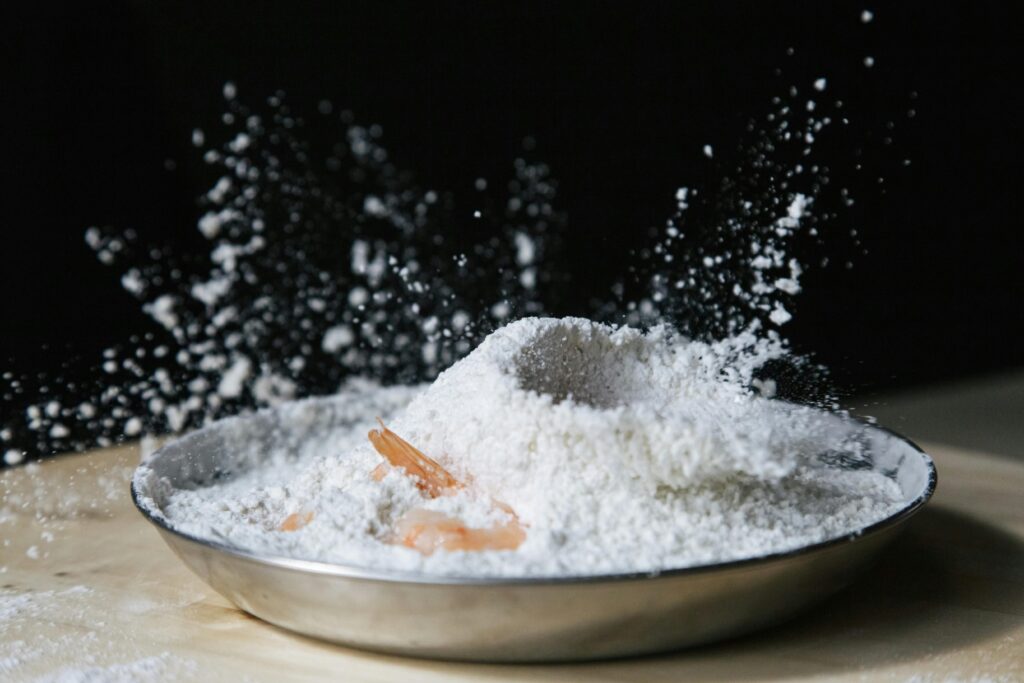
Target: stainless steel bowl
x=521 y=620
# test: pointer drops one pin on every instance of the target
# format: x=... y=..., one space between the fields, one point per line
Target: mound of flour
x=620 y=451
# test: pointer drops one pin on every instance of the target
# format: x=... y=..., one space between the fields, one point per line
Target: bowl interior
x=303 y=429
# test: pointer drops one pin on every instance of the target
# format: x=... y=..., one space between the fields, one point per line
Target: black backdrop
x=621 y=97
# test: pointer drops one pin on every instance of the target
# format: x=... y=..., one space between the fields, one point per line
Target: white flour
x=162 y=667
x=618 y=451
x=103 y=653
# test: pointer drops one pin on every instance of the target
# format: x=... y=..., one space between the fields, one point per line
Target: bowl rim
x=361 y=573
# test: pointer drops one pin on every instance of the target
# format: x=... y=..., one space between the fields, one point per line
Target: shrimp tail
x=433 y=479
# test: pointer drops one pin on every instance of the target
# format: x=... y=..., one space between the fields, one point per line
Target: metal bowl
x=509 y=620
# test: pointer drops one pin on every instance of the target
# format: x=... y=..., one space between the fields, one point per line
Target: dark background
x=620 y=96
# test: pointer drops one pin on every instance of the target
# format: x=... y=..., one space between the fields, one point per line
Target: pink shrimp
x=295 y=521
x=429 y=530
x=432 y=479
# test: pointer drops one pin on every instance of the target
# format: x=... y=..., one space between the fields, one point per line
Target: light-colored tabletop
x=978 y=414
x=88 y=591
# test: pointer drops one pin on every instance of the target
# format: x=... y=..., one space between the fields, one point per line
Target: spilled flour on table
x=618 y=451
x=26 y=654
x=162 y=667
x=60 y=619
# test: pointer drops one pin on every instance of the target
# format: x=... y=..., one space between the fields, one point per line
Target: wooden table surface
x=88 y=586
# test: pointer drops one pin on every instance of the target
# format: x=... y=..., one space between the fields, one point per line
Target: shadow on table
x=921 y=600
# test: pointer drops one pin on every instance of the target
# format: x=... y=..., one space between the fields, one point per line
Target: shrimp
x=295 y=521
x=428 y=530
x=432 y=479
